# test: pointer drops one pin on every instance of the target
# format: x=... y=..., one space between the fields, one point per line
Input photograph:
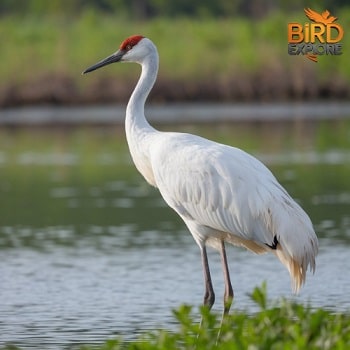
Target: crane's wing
x=217 y=188
x=221 y=187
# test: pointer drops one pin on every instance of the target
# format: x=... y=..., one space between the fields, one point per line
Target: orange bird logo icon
x=324 y=17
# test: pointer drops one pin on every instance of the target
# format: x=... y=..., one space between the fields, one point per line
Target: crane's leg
x=228 y=295
x=209 y=296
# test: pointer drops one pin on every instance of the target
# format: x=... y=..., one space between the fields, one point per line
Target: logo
x=317 y=38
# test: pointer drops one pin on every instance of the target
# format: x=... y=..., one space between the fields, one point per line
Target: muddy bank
x=267 y=85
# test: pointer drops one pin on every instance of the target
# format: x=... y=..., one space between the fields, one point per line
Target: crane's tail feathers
x=298 y=265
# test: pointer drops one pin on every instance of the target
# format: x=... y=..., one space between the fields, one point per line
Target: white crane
x=222 y=193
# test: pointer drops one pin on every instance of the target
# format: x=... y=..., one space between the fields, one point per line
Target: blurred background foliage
x=224 y=50
x=145 y=9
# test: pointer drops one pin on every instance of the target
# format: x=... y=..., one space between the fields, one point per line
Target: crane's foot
x=228 y=299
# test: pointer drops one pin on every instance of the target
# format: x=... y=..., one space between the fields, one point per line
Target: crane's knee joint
x=209 y=299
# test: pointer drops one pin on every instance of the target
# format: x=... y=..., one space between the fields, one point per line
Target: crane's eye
x=128 y=47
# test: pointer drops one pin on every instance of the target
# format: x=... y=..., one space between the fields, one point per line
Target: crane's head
x=133 y=49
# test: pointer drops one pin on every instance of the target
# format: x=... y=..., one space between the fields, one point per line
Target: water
x=89 y=251
x=178 y=113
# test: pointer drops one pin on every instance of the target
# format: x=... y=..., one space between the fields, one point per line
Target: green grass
x=190 y=49
x=279 y=325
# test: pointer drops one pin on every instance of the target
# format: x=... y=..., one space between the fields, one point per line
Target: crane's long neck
x=135 y=116
x=139 y=132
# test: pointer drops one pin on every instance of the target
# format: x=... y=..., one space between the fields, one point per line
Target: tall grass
x=190 y=49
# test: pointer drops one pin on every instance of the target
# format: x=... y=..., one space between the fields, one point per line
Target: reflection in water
x=89 y=251
x=329 y=157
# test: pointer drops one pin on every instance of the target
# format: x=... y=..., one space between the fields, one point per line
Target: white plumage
x=222 y=193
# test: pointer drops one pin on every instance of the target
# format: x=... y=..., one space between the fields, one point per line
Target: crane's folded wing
x=228 y=190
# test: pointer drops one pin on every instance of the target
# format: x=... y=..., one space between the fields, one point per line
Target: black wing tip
x=274 y=243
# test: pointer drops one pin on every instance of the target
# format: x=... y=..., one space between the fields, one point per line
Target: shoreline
x=265 y=86
x=177 y=113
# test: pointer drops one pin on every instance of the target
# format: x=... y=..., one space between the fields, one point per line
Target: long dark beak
x=116 y=57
